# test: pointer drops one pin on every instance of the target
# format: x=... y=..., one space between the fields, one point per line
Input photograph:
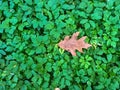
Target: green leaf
x=29 y=2
x=2 y=63
x=22 y=25
x=100 y=32
x=88 y=58
x=68 y=7
x=67 y=82
x=38 y=7
x=2 y=86
x=40 y=49
x=23 y=67
x=77 y=87
x=106 y=14
x=24 y=87
x=100 y=52
x=108 y=42
x=5 y=23
x=87 y=25
x=96 y=16
x=89 y=8
x=82 y=5
x=99 y=87
x=2 y=52
x=15 y=78
x=115 y=39
x=13 y=85
x=114 y=32
x=100 y=4
x=48 y=67
x=83 y=21
x=35 y=24
x=25 y=7
x=117 y=7
x=92 y=23
x=82 y=14
x=113 y=44
x=46 y=77
x=1 y=29
x=16 y=1
x=110 y=3
x=13 y=20
x=56 y=13
x=28 y=74
x=34 y=79
x=109 y=57
x=88 y=88
x=39 y=81
x=51 y=3
x=8 y=57
x=12 y=29
x=3 y=5
x=45 y=85
x=62 y=82
x=49 y=25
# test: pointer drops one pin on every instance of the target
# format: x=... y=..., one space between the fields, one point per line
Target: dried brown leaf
x=72 y=44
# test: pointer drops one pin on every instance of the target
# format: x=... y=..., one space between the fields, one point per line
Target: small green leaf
x=48 y=67
x=87 y=25
x=82 y=14
x=5 y=23
x=51 y=3
x=114 y=32
x=8 y=57
x=108 y=42
x=13 y=20
x=45 y=85
x=29 y=2
x=1 y=30
x=39 y=81
x=88 y=88
x=24 y=87
x=99 y=87
x=12 y=29
x=77 y=87
x=62 y=82
x=28 y=74
x=109 y=57
x=83 y=21
x=25 y=7
x=35 y=24
x=89 y=8
x=92 y=23
x=2 y=63
x=16 y=1
x=2 y=52
x=82 y=5
x=49 y=25
x=68 y=7
x=34 y=79
x=97 y=15
x=15 y=78
x=115 y=39
x=67 y=82
x=113 y=44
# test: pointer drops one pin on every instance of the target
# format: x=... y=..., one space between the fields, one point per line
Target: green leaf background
x=30 y=58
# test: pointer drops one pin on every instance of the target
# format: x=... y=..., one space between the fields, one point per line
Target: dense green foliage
x=30 y=58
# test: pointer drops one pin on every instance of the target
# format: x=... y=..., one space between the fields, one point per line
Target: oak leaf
x=72 y=44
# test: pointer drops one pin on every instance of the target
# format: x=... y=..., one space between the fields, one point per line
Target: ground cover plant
x=30 y=31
